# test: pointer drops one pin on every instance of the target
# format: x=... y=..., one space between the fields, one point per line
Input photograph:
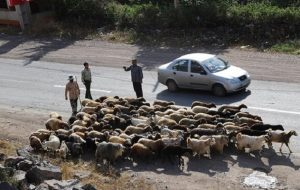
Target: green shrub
x=140 y=17
x=263 y=21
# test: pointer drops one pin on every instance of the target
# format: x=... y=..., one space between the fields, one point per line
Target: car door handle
x=174 y=73
x=192 y=75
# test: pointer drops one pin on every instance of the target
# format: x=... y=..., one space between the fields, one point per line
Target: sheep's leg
x=280 y=149
x=288 y=147
x=208 y=152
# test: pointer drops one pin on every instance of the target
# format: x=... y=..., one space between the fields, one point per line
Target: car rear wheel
x=219 y=90
x=172 y=86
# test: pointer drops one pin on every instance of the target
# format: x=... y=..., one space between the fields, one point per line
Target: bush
x=264 y=21
x=141 y=17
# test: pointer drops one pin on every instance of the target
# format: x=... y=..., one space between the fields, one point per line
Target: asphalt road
x=40 y=85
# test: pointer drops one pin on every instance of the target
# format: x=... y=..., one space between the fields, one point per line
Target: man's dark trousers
x=137 y=86
x=88 y=89
x=73 y=103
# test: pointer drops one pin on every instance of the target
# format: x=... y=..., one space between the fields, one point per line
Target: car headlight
x=234 y=81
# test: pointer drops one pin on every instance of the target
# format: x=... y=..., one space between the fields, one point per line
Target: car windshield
x=215 y=64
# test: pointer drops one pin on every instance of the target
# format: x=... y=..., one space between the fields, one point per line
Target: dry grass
x=125 y=181
x=8 y=148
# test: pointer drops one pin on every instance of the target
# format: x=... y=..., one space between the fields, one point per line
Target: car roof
x=197 y=56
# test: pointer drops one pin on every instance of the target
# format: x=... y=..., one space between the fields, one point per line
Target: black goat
x=251 y=132
x=264 y=127
x=175 y=151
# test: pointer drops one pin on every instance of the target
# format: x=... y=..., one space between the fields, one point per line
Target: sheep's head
x=117 y=110
x=64 y=125
x=171 y=103
x=267 y=138
x=101 y=99
x=236 y=119
x=292 y=132
x=242 y=106
x=212 y=105
x=141 y=99
x=238 y=136
x=212 y=141
x=201 y=121
x=188 y=141
x=148 y=129
x=219 y=126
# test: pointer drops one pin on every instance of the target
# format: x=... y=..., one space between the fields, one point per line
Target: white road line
x=95 y=90
x=275 y=110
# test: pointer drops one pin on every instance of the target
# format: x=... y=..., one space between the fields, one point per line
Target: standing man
x=136 y=77
x=86 y=78
x=73 y=89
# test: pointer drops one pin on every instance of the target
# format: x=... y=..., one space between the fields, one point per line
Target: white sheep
x=63 y=151
x=251 y=142
x=221 y=141
x=201 y=147
x=52 y=144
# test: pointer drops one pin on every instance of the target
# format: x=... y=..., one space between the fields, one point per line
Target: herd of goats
x=114 y=127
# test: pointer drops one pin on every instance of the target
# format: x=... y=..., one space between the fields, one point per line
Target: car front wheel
x=219 y=90
x=172 y=86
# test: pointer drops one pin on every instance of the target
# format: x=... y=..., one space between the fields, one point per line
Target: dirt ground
x=222 y=172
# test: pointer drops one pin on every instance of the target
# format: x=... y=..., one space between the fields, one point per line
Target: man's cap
x=85 y=63
x=133 y=60
x=71 y=77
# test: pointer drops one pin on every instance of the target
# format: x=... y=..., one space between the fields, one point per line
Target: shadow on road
x=36 y=52
x=186 y=97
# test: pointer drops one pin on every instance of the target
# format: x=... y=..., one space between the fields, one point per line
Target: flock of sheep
x=113 y=127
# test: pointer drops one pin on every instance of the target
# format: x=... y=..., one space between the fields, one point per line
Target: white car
x=204 y=72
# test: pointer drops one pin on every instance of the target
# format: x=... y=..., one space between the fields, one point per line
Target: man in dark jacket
x=136 y=77
x=86 y=78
